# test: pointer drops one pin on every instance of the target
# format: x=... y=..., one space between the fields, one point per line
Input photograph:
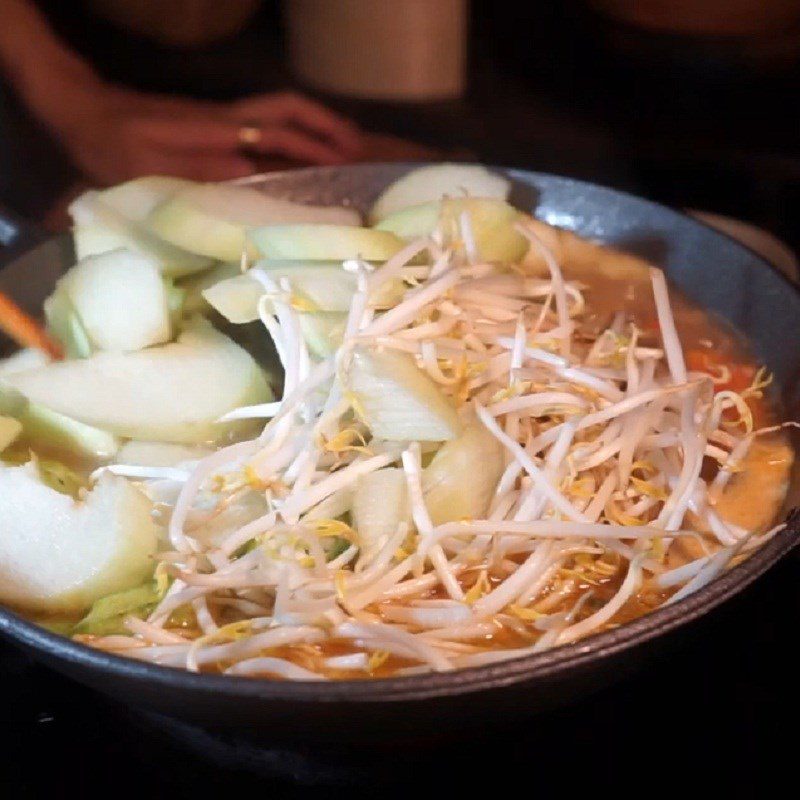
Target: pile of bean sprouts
x=604 y=433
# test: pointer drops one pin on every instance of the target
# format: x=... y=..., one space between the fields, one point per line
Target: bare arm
x=113 y=133
x=36 y=62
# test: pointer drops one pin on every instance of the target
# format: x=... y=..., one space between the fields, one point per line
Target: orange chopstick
x=25 y=330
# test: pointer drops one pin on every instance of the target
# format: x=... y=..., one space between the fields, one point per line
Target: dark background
x=553 y=87
x=559 y=87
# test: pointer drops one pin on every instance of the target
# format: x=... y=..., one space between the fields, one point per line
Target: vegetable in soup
x=492 y=438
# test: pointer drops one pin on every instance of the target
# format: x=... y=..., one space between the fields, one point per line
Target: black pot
x=715 y=271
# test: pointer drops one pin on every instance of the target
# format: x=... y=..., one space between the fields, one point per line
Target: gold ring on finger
x=249 y=135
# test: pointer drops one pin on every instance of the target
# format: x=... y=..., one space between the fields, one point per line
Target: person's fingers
x=303 y=113
x=205 y=135
x=200 y=166
x=213 y=148
x=336 y=140
x=295 y=144
x=223 y=168
x=212 y=136
x=206 y=167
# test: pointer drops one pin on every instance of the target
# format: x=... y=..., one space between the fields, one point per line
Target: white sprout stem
x=469 y=630
x=393 y=267
x=243 y=535
x=202 y=472
x=671 y=514
x=203 y=615
x=273 y=666
x=538 y=400
x=535 y=503
x=431 y=365
x=666 y=321
x=419 y=512
x=261 y=411
x=468 y=237
x=537 y=586
x=406 y=311
x=151 y=633
x=382 y=636
x=727 y=469
x=631 y=367
x=534 y=353
x=318 y=375
x=551 y=636
x=558 y=500
x=557 y=283
x=680 y=575
x=355 y=318
x=517 y=349
x=427 y=617
x=379 y=587
x=547 y=529
x=573 y=412
x=629 y=587
x=711 y=569
x=135 y=471
x=511 y=588
x=336 y=481
x=631 y=403
x=286 y=332
x=201 y=653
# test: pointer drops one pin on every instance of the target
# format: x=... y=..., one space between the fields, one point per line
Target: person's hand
x=113 y=134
